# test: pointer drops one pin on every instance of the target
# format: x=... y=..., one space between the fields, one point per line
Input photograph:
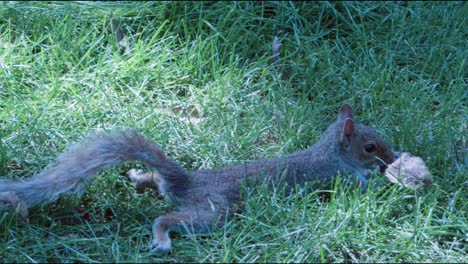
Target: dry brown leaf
x=189 y=114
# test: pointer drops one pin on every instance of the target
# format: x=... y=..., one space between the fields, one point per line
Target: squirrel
x=206 y=198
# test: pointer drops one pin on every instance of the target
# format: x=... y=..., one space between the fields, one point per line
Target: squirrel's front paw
x=160 y=246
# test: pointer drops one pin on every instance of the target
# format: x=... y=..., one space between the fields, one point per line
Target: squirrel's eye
x=369 y=147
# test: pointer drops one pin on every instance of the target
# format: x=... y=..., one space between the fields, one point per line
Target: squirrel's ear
x=348 y=131
x=345 y=112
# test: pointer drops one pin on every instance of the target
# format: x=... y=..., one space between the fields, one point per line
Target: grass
x=198 y=78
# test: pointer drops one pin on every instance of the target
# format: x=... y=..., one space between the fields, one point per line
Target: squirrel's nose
x=389 y=159
x=382 y=168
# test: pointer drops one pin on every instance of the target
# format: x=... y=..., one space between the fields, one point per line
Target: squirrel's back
x=345 y=148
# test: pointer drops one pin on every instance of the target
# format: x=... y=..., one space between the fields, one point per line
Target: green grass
x=401 y=65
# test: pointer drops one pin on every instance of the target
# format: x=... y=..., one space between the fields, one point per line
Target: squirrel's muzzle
x=389 y=160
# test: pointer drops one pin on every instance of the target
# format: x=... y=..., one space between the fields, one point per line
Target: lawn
x=219 y=83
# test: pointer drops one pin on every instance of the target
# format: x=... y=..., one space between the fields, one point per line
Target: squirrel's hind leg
x=180 y=221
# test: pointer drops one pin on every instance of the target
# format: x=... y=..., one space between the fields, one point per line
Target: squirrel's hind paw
x=160 y=246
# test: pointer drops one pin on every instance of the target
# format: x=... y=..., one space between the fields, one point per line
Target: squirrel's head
x=362 y=144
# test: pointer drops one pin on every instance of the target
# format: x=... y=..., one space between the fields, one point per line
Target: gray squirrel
x=203 y=198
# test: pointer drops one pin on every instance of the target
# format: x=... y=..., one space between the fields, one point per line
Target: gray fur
x=206 y=198
x=75 y=168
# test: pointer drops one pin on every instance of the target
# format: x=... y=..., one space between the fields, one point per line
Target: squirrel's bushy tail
x=77 y=167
